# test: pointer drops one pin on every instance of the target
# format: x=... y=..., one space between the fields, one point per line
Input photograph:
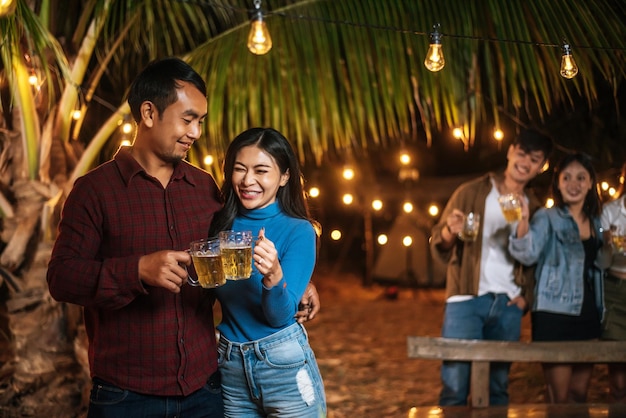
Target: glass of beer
x=236 y=249
x=207 y=262
x=511 y=206
x=618 y=238
x=471 y=226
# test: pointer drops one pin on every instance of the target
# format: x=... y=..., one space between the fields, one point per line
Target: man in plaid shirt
x=120 y=253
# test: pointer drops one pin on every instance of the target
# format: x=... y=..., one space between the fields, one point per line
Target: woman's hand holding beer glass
x=511 y=205
x=618 y=238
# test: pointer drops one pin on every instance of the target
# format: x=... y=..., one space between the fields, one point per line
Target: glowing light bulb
x=76 y=114
x=7 y=7
x=259 y=40
x=377 y=204
x=314 y=192
x=433 y=210
x=434 y=57
x=127 y=127
x=569 y=69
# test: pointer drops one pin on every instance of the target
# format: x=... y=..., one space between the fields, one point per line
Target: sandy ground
x=359 y=339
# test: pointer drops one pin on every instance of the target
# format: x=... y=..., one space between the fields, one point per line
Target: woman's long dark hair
x=592 y=206
x=291 y=196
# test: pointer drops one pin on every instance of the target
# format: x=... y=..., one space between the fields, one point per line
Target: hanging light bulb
x=569 y=69
x=434 y=57
x=259 y=40
x=7 y=7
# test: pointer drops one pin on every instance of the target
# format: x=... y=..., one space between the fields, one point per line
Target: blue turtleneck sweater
x=250 y=311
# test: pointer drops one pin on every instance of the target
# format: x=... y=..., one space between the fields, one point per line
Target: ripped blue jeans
x=275 y=376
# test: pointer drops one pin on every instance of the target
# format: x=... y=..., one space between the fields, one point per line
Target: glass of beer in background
x=471 y=225
x=236 y=249
x=618 y=238
x=207 y=262
x=511 y=206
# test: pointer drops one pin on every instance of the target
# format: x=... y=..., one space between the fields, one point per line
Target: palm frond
x=348 y=74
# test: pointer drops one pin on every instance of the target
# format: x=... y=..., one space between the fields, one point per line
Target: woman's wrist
x=267 y=283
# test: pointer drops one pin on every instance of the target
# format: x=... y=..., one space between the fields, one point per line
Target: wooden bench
x=481 y=353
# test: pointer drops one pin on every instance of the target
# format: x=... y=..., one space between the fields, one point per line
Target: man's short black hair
x=530 y=140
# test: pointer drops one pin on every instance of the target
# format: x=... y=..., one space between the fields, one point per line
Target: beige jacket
x=463 y=261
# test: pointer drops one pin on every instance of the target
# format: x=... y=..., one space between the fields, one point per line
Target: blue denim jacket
x=553 y=242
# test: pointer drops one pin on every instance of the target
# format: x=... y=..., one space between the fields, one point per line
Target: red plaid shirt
x=144 y=339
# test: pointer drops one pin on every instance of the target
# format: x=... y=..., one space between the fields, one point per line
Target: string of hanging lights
x=259 y=40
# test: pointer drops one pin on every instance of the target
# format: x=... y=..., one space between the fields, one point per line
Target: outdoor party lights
x=434 y=57
x=604 y=186
x=433 y=210
x=127 y=127
x=549 y=202
x=259 y=40
x=382 y=239
x=405 y=158
x=208 y=160
x=377 y=204
x=498 y=135
x=314 y=192
x=569 y=69
x=348 y=173
x=33 y=80
x=347 y=199
x=7 y=7
x=407 y=207
x=407 y=241
x=335 y=235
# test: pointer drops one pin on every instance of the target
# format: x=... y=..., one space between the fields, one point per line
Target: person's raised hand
x=266 y=260
x=164 y=269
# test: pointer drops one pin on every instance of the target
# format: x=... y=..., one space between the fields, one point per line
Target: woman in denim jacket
x=563 y=241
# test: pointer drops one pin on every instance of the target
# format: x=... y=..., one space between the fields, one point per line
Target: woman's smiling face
x=256 y=177
x=574 y=183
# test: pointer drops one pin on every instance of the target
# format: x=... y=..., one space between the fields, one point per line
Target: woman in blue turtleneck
x=267 y=365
